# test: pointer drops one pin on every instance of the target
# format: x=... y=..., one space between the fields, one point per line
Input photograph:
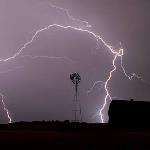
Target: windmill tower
x=75 y=78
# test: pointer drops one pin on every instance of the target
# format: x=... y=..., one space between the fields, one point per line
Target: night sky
x=40 y=88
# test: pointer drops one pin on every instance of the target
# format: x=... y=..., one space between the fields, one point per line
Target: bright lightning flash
x=84 y=27
x=5 y=108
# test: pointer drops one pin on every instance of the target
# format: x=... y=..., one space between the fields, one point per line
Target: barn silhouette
x=123 y=112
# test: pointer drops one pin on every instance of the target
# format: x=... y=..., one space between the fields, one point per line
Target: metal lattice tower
x=75 y=78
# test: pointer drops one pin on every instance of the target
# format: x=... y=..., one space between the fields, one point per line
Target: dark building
x=129 y=112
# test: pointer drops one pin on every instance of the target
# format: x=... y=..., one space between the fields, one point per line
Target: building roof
x=129 y=112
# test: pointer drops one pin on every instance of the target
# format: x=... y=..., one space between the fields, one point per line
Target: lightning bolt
x=96 y=83
x=94 y=35
x=133 y=75
x=84 y=27
x=52 y=57
x=11 y=70
x=20 y=67
x=84 y=23
x=5 y=108
x=106 y=88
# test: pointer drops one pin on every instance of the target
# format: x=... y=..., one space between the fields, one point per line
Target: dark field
x=72 y=136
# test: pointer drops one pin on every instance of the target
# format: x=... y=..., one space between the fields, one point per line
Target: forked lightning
x=83 y=27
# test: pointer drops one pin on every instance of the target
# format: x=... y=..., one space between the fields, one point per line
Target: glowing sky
x=40 y=89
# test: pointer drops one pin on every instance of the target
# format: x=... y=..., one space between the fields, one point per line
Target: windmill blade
x=75 y=78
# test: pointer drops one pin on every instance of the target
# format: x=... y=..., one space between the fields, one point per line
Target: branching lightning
x=11 y=70
x=96 y=83
x=84 y=23
x=83 y=27
x=48 y=57
x=106 y=88
x=97 y=37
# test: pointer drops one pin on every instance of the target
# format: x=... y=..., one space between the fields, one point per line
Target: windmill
x=75 y=78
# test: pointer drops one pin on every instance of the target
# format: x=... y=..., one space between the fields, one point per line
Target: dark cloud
x=40 y=88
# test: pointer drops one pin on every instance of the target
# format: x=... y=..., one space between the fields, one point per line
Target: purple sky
x=40 y=89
